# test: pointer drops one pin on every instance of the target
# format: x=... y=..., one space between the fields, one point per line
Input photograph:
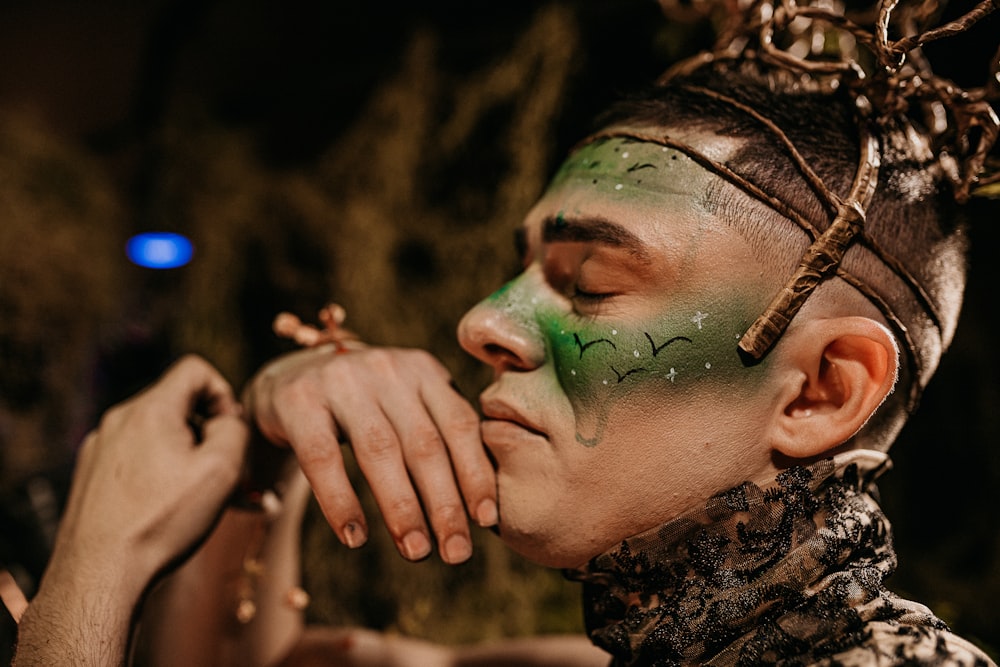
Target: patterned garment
x=789 y=575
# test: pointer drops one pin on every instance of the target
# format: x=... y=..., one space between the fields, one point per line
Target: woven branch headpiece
x=877 y=58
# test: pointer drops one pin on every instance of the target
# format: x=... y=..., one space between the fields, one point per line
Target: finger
x=378 y=451
x=192 y=379
x=427 y=461
x=459 y=424
x=226 y=440
x=293 y=380
x=318 y=452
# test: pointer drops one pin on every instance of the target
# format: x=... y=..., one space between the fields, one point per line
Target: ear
x=839 y=371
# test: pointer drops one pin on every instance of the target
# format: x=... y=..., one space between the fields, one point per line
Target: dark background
x=379 y=156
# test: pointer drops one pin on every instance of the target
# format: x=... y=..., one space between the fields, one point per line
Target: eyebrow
x=593 y=230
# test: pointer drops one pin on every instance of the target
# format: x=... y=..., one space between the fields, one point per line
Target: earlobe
x=841 y=369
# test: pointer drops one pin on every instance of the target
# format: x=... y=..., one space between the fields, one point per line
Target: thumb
x=226 y=438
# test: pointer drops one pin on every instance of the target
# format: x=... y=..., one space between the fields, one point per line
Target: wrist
x=117 y=575
x=82 y=614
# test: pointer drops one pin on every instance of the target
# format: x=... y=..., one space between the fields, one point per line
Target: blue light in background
x=159 y=250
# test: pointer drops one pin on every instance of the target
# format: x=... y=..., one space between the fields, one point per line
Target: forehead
x=658 y=194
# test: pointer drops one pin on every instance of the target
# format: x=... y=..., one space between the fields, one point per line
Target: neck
x=714 y=582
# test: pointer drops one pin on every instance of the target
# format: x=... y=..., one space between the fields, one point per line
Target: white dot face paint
x=513 y=301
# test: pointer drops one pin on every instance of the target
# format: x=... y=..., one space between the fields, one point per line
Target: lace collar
x=757 y=575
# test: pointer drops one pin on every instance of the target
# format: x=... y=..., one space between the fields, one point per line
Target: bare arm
x=354 y=647
x=83 y=621
x=146 y=488
x=230 y=603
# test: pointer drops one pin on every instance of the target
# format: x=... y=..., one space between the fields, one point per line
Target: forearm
x=79 y=617
x=228 y=604
x=543 y=651
x=190 y=618
x=279 y=618
x=146 y=489
x=359 y=647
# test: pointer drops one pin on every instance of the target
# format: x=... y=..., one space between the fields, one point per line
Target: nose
x=502 y=330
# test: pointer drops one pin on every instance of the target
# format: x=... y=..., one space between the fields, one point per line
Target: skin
x=618 y=402
x=624 y=220
x=615 y=369
x=145 y=491
x=415 y=439
x=615 y=356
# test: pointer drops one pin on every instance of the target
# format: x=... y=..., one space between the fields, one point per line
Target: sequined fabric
x=791 y=574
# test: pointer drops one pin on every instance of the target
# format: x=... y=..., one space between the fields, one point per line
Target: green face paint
x=662 y=360
x=601 y=364
x=620 y=169
x=683 y=346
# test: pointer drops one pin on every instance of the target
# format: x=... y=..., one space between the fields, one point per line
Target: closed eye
x=590 y=304
x=590 y=297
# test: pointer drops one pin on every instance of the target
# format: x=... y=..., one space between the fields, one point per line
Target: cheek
x=684 y=353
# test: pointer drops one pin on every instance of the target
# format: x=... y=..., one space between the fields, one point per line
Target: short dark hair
x=911 y=261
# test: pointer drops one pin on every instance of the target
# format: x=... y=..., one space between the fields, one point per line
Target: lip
x=498 y=411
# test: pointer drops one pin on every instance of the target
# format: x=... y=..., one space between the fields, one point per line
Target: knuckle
x=192 y=361
x=381 y=360
x=114 y=417
x=315 y=452
x=465 y=419
x=293 y=391
x=377 y=444
x=425 y=443
x=335 y=370
x=402 y=514
x=478 y=481
x=222 y=468
x=416 y=354
x=427 y=362
x=449 y=516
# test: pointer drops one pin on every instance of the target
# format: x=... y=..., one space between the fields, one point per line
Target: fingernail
x=354 y=534
x=486 y=513
x=416 y=545
x=457 y=549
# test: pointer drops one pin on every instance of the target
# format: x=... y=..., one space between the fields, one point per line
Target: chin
x=540 y=551
x=541 y=536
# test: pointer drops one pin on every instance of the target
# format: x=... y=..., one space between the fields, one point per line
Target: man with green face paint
x=690 y=342
x=732 y=296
